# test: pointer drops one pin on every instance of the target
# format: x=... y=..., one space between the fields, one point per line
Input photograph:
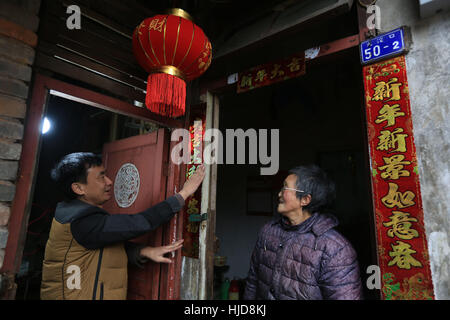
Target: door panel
x=173 y=231
x=136 y=167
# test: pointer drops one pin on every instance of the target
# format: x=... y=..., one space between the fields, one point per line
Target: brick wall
x=19 y=23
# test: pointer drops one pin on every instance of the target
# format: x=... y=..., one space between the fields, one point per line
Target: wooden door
x=138 y=168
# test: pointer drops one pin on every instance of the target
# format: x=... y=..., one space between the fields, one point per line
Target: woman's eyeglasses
x=286 y=188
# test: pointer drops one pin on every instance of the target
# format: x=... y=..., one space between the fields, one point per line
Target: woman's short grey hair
x=314 y=181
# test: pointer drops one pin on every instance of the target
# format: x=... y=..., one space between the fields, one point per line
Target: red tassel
x=166 y=95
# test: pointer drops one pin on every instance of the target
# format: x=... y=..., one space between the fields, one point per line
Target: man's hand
x=157 y=253
x=191 y=185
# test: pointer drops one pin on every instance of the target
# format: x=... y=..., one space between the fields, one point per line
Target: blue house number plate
x=383 y=46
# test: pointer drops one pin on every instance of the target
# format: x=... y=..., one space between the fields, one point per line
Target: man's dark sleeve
x=101 y=229
x=133 y=253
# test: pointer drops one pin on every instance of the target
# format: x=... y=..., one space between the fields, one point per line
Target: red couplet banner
x=401 y=239
x=193 y=203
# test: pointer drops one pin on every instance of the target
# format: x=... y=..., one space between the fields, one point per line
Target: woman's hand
x=156 y=254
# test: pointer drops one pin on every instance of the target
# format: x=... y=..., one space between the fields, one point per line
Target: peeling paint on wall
x=189 y=278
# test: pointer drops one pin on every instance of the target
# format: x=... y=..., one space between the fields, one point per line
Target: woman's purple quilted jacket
x=311 y=261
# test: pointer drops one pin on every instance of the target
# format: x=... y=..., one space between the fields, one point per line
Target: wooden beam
x=133 y=70
x=91 y=51
x=51 y=31
x=101 y=101
x=87 y=64
x=56 y=12
x=71 y=71
x=100 y=19
x=324 y=50
x=336 y=46
x=128 y=13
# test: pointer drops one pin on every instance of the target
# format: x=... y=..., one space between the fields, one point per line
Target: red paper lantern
x=173 y=50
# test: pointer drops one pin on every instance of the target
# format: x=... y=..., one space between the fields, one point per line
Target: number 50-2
x=376 y=52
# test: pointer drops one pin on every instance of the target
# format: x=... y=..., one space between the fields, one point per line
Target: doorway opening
x=73 y=127
x=321 y=120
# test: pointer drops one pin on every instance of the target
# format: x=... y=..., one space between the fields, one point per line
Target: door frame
x=43 y=88
x=208 y=204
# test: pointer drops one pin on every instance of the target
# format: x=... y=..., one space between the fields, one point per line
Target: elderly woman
x=301 y=256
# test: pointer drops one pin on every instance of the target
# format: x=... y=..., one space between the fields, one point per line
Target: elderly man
x=301 y=256
x=86 y=238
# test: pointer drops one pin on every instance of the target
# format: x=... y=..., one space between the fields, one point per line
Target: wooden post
x=113 y=128
x=205 y=279
x=211 y=236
